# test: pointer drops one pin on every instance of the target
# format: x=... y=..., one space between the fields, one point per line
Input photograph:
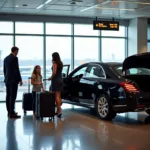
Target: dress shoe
x=15 y=113
x=14 y=116
x=59 y=115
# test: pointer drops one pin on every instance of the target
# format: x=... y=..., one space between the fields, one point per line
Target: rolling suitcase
x=45 y=105
x=27 y=103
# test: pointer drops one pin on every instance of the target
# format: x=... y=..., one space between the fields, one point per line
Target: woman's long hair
x=35 y=73
x=57 y=60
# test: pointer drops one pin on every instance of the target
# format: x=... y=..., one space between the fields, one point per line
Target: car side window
x=80 y=71
x=95 y=71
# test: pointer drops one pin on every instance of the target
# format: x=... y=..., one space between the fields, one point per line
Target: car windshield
x=133 y=71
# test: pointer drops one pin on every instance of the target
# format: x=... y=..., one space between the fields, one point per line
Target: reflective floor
x=77 y=130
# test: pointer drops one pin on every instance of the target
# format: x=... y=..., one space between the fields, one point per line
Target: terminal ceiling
x=81 y=8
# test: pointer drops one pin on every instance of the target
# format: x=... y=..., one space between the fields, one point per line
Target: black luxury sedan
x=110 y=88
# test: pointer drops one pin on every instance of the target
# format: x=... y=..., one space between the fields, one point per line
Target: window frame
x=72 y=36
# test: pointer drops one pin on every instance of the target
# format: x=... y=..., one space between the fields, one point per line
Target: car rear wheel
x=104 y=108
x=148 y=111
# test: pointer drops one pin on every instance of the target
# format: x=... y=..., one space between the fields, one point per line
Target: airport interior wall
x=74 y=38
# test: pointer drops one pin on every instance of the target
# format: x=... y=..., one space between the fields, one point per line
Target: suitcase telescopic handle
x=29 y=84
x=45 y=79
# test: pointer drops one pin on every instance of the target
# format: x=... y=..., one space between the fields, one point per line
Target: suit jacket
x=11 y=70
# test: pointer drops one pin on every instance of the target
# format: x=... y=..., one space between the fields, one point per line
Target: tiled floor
x=77 y=130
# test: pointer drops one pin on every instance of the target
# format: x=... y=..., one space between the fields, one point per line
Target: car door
x=65 y=72
x=88 y=84
x=74 y=82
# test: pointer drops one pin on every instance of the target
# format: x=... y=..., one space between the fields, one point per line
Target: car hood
x=137 y=61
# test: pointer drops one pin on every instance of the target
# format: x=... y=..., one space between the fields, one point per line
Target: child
x=36 y=81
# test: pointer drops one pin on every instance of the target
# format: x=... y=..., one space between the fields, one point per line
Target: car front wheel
x=104 y=108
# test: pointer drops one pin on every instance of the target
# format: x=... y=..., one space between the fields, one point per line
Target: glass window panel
x=62 y=45
x=120 y=33
x=29 y=28
x=133 y=71
x=80 y=71
x=6 y=27
x=58 y=29
x=5 y=49
x=113 y=50
x=86 y=50
x=148 y=32
x=95 y=72
x=83 y=29
x=148 y=47
x=30 y=54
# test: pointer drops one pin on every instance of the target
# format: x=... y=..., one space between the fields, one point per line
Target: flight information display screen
x=106 y=25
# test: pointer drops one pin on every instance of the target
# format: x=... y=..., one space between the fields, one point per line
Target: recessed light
x=25 y=5
x=16 y=5
x=48 y=1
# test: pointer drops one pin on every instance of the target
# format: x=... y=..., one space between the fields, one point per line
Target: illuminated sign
x=106 y=25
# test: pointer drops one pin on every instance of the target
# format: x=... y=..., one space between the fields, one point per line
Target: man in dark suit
x=12 y=79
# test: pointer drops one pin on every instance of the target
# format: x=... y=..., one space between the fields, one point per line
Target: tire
x=113 y=115
x=104 y=108
x=93 y=111
x=148 y=111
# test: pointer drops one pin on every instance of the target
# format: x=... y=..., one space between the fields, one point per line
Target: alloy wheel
x=103 y=107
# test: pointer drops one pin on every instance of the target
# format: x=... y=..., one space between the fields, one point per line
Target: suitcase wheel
x=51 y=118
x=37 y=117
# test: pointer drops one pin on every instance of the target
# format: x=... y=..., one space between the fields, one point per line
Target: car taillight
x=129 y=87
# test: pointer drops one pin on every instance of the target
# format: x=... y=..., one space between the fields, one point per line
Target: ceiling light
x=40 y=6
x=25 y=5
x=143 y=3
x=115 y=1
x=48 y=1
x=89 y=8
x=94 y=6
x=116 y=9
x=16 y=5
